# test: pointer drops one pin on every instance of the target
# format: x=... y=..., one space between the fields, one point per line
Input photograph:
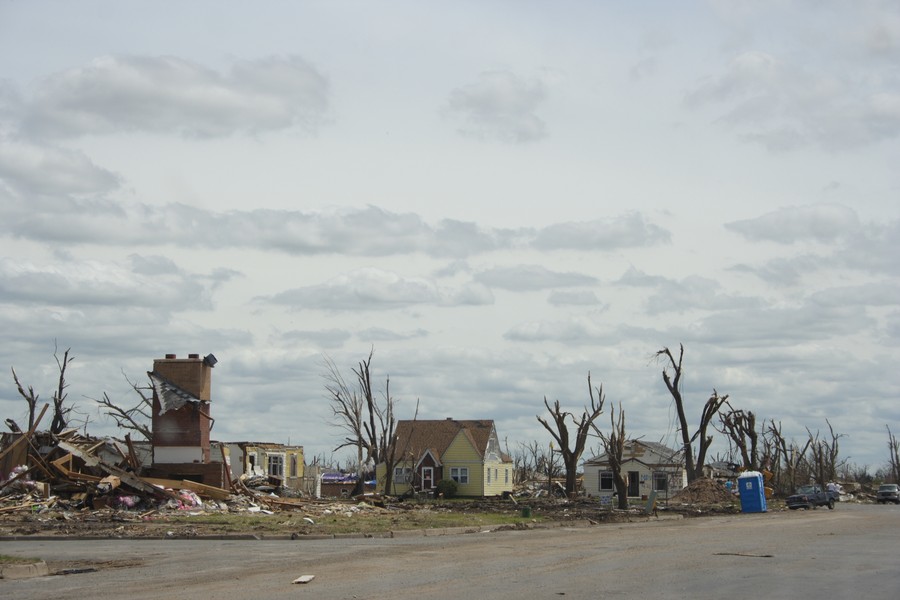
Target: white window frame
x=460 y=475
x=606 y=477
x=660 y=476
x=402 y=474
x=430 y=471
x=275 y=465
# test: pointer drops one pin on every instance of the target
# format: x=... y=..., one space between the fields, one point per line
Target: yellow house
x=276 y=461
x=467 y=452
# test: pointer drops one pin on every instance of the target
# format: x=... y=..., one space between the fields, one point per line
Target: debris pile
x=703 y=491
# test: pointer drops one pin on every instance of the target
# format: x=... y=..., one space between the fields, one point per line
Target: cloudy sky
x=497 y=197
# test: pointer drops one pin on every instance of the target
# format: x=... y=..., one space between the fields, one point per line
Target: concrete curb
x=399 y=533
x=24 y=570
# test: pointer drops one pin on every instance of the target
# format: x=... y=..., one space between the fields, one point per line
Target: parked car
x=888 y=492
x=811 y=496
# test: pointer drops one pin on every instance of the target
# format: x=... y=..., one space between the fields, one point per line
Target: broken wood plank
x=129 y=479
x=185 y=484
x=132 y=456
x=25 y=436
x=227 y=464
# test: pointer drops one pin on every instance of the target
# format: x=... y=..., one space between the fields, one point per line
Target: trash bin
x=753 y=495
x=526 y=512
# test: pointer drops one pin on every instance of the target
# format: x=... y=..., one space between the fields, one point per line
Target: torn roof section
x=171 y=397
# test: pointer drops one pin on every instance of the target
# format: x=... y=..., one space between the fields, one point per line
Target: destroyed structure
x=278 y=462
x=182 y=420
x=649 y=467
x=175 y=468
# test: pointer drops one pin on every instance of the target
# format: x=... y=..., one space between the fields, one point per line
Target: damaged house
x=467 y=452
x=648 y=467
x=182 y=421
x=282 y=465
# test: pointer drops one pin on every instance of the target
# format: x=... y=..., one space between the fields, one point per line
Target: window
x=293 y=465
x=459 y=474
x=489 y=475
x=606 y=481
x=506 y=476
x=402 y=474
x=276 y=465
x=660 y=482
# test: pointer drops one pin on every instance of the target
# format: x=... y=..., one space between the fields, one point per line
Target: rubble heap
x=69 y=473
x=703 y=491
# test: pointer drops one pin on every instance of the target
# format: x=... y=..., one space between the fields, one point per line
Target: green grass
x=6 y=559
x=344 y=521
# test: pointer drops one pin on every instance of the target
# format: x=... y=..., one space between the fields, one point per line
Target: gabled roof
x=638 y=449
x=436 y=436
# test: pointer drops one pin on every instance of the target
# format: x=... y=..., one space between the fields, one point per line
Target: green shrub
x=446 y=488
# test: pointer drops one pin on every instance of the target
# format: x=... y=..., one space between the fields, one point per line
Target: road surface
x=852 y=551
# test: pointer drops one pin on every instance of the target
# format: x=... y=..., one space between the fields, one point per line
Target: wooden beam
x=185 y=484
x=130 y=479
x=25 y=436
x=227 y=464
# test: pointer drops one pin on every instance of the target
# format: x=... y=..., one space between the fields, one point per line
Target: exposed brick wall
x=190 y=374
x=189 y=425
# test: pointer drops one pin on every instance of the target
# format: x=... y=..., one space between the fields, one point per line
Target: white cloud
x=187 y=192
x=626 y=231
x=575 y=330
x=376 y=289
x=823 y=223
x=29 y=169
x=573 y=298
x=531 y=277
x=79 y=283
x=696 y=293
x=167 y=94
x=500 y=106
x=785 y=106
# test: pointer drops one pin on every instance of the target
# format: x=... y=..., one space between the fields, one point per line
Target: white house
x=648 y=467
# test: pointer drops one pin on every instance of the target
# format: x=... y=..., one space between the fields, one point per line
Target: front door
x=427 y=478
x=634 y=484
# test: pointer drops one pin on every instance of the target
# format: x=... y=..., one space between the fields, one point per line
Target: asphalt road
x=852 y=551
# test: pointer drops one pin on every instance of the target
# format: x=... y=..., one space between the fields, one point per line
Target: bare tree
x=369 y=425
x=787 y=459
x=740 y=428
x=823 y=456
x=693 y=464
x=894 y=450
x=560 y=432
x=136 y=418
x=614 y=446
x=529 y=460
x=61 y=411
x=30 y=397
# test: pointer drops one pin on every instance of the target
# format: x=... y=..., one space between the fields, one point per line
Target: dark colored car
x=811 y=496
x=888 y=492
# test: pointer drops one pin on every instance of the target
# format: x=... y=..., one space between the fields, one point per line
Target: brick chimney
x=181 y=408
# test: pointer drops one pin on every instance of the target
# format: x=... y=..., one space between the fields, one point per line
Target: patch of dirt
x=704 y=491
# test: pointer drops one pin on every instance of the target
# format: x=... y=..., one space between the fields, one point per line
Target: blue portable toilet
x=753 y=495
